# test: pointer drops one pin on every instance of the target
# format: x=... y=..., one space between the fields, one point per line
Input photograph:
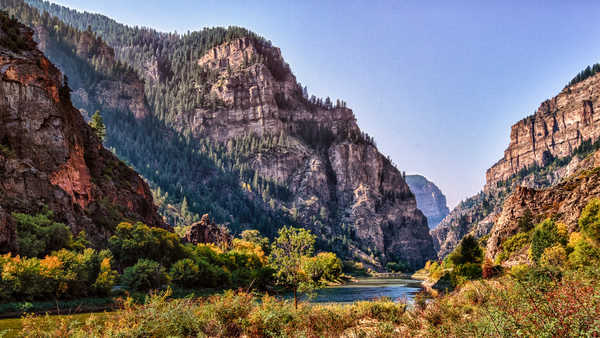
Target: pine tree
x=98 y=125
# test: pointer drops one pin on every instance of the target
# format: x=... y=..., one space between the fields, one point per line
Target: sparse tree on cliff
x=98 y=125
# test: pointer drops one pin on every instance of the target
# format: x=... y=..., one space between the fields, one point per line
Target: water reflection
x=369 y=289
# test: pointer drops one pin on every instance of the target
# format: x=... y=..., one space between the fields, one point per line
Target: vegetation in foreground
x=537 y=303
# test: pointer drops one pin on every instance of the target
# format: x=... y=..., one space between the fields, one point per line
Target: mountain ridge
x=304 y=159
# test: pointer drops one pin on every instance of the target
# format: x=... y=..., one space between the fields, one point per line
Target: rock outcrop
x=334 y=180
x=430 y=199
x=122 y=92
x=563 y=202
x=557 y=128
x=331 y=168
x=539 y=156
x=207 y=232
x=50 y=158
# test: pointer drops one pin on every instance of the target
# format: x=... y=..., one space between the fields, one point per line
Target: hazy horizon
x=438 y=87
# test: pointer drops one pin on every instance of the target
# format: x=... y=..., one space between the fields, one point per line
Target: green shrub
x=554 y=256
x=589 y=221
x=134 y=241
x=144 y=275
x=39 y=235
x=584 y=255
x=185 y=273
x=514 y=244
x=66 y=274
x=545 y=235
x=467 y=271
x=468 y=251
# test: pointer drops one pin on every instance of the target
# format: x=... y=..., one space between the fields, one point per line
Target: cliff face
x=555 y=131
x=559 y=126
x=430 y=199
x=337 y=174
x=563 y=202
x=123 y=91
x=49 y=156
x=240 y=96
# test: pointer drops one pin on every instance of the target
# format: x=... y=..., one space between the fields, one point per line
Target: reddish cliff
x=49 y=157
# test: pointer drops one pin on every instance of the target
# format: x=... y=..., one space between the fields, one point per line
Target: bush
x=554 y=256
x=325 y=266
x=545 y=235
x=513 y=244
x=185 y=273
x=589 y=221
x=134 y=241
x=584 y=254
x=67 y=274
x=39 y=235
x=144 y=275
x=467 y=271
x=468 y=251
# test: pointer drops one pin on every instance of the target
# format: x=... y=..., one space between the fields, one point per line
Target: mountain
x=562 y=202
x=430 y=199
x=223 y=127
x=50 y=158
x=544 y=149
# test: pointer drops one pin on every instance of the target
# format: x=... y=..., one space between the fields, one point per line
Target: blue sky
x=438 y=85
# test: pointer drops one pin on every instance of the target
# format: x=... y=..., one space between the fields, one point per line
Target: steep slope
x=544 y=149
x=430 y=199
x=49 y=156
x=562 y=202
x=254 y=150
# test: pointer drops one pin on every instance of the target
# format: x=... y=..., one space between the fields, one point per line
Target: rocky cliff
x=430 y=199
x=330 y=167
x=562 y=202
x=240 y=123
x=545 y=148
x=557 y=128
x=49 y=156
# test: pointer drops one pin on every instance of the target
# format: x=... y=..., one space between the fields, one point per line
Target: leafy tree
x=253 y=236
x=589 y=221
x=287 y=253
x=468 y=251
x=144 y=275
x=39 y=235
x=134 y=241
x=545 y=235
x=98 y=125
x=185 y=273
x=526 y=221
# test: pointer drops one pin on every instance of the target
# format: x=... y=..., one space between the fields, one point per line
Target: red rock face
x=555 y=130
x=49 y=157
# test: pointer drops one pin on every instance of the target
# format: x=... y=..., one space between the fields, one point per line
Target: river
x=397 y=289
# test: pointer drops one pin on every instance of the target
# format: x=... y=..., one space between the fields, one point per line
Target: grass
x=542 y=303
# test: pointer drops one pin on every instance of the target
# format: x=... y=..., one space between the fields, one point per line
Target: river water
x=368 y=289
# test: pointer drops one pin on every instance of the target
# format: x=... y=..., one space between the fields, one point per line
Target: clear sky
x=438 y=85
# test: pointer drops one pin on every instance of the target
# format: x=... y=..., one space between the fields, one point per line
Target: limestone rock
x=430 y=199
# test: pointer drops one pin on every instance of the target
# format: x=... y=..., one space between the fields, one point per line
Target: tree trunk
x=295 y=299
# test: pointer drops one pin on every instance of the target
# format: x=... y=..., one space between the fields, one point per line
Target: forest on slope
x=147 y=86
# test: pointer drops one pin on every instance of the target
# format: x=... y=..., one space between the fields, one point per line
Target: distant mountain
x=430 y=199
x=50 y=159
x=544 y=149
x=217 y=123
